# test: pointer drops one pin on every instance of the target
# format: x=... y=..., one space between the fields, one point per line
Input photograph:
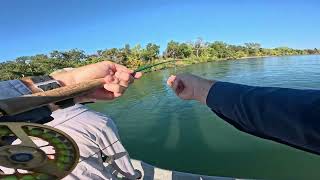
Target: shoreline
x=253 y=57
x=188 y=61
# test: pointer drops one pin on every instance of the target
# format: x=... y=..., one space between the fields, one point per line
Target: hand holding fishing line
x=100 y=81
x=190 y=87
x=115 y=78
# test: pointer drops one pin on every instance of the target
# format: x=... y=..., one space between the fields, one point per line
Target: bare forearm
x=201 y=91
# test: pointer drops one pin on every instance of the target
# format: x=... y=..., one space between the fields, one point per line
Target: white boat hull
x=150 y=172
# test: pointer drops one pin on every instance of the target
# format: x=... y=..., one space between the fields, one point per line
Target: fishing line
x=152 y=65
x=154 y=101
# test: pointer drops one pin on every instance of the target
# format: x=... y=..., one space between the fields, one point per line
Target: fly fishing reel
x=38 y=152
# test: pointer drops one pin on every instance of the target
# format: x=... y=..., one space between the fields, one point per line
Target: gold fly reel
x=57 y=155
x=39 y=152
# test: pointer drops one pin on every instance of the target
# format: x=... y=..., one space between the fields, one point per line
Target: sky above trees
x=36 y=26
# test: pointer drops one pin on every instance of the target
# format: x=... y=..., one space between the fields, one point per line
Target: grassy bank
x=182 y=54
x=188 y=61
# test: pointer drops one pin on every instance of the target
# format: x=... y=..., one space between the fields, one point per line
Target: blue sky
x=40 y=26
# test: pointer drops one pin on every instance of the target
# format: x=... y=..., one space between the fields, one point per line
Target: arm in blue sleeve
x=14 y=88
x=287 y=116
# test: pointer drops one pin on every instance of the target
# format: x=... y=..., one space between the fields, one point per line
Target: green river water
x=158 y=128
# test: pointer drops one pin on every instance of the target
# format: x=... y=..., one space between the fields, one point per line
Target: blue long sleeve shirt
x=288 y=116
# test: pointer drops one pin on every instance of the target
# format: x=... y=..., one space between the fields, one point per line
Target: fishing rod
x=17 y=105
x=153 y=65
x=27 y=155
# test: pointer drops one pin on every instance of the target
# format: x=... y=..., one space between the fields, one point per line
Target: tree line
x=137 y=56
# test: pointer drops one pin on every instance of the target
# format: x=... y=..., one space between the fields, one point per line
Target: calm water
x=158 y=128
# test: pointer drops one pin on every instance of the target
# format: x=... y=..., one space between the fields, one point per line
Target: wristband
x=46 y=83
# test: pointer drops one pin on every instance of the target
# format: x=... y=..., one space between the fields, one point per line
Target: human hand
x=190 y=87
x=116 y=79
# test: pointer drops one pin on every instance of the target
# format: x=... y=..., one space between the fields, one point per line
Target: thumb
x=171 y=80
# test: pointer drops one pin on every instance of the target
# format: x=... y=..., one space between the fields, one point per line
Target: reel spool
x=30 y=161
x=29 y=156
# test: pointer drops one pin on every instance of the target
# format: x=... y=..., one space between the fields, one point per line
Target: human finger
x=119 y=67
x=115 y=88
x=136 y=75
x=170 y=80
x=124 y=76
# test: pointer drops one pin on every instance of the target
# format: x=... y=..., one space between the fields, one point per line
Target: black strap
x=52 y=84
x=65 y=103
x=39 y=79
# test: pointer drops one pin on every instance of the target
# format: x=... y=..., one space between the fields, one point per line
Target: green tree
x=136 y=52
x=184 y=50
x=220 y=50
x=71 y=55
x=135 y=57
x=253 y=48
x=198 y=47
x=172 y=50
x=110 y=54
x=151 y=52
